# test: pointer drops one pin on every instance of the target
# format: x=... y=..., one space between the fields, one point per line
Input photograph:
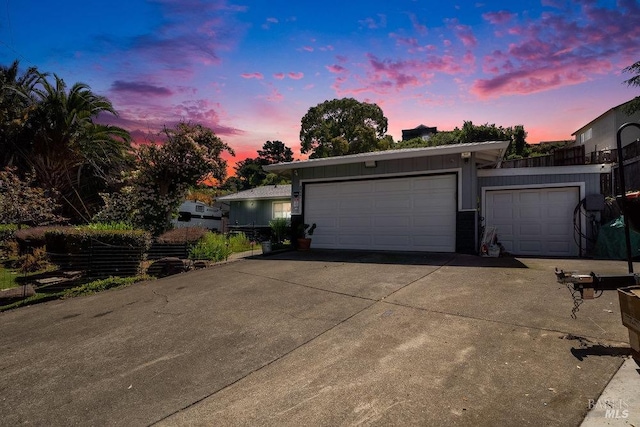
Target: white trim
x=551 y=170
x=581 y=195
x=457 y=171
x=408 y=153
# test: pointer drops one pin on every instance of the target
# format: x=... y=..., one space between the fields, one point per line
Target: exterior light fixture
x=465 y=154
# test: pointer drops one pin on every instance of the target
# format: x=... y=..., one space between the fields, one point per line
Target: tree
x=250 y=173
x=50 y=129
x=275 y=152
x=23 y=203
x=164 y=174
x=634 y=104
x=342 y=126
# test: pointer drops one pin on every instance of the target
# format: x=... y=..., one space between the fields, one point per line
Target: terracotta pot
x=304 y=244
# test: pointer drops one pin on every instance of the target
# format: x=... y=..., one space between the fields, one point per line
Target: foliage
x=23 y=203
x=35 y=261
x=50 y=128
x=182 y=235
x=239 y=242
x=305 y=230
x=249 y=172
x=109 y=226
x=472 y=133
x=279 y=227
x=633 y=105
x=79 y=239
x=274 y=152
x=6 y=231
x=33 y=237
x=165 y=173
x=86 y=289
x=103 y=284
x=342 y=126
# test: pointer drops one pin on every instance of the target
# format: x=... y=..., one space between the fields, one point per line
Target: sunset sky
x=251 y=69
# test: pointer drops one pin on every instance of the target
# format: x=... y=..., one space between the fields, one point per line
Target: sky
x=250 y=70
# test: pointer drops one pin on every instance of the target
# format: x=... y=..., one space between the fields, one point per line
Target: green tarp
x=611 y=243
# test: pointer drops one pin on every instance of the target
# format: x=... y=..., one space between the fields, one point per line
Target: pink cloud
x=307 y=48
x=295 y=76
x=417 y=26
x=373 y=23
x=555 y=50
x=498 y=18
x=257 y=76
x=336 y=69
x=278 y=76
x=464 y=33
x=140 y=88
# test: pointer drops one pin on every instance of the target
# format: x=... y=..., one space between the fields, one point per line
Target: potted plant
x=304 y=230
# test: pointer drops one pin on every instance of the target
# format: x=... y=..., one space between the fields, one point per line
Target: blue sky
x=250 y=70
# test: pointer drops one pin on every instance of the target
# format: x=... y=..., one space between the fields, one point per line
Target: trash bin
x=266 y=247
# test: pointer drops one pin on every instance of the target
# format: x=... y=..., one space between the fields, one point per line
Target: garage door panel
x=412 y=213
x=534 y=221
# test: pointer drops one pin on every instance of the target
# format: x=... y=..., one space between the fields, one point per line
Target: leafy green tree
x=634 y=104
x=165 y=173
x=275 y=152
x=250 y=173
x=342 y=126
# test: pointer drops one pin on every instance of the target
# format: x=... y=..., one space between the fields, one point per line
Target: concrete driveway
x=318 y=338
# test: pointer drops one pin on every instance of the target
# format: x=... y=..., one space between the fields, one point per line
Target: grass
x=216 y=247
x=86 y=289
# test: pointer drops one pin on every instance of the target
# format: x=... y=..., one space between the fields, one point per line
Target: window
x=199 y=208
x=282 y=209
x=586 y=135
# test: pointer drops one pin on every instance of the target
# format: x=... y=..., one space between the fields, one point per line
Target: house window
x=282 y=209
x=586 y=135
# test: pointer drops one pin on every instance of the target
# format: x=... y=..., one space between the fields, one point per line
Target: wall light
x=465 y=154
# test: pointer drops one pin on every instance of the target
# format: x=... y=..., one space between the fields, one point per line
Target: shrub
x=211 y=247
x=110 y=226
x=279 y=227
x=239 y=242
x=6 y=231
x=34 y=237
x=182 y=235
x=36 y=261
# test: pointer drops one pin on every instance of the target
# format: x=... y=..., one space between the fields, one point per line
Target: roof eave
x=499 y=147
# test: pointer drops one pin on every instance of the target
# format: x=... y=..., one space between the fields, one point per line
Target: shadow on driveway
x=399 y=258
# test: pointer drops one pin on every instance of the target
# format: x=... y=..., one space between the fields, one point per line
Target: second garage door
x=406 y=214
x=536 y=221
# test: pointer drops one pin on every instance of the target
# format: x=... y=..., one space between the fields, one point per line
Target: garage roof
x=265 y=192
x=489 y=152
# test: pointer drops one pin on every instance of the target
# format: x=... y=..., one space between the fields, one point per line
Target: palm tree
x=69 y=151
x=51 y=130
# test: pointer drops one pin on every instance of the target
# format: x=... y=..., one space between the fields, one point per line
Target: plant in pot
x=305 y=230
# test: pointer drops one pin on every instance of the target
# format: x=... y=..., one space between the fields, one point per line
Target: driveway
x=318 y=338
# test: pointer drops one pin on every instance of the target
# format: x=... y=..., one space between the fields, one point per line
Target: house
x=421 y=131
x=253 y=209
x=437 y=199
x=600 y=133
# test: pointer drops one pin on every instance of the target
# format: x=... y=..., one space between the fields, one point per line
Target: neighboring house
x=254 y=208
x=600 y=133
x=421 y=131
x=437 y=199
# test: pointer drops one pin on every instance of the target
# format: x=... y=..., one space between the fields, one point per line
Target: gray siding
x=591 y=180
x=256 y=213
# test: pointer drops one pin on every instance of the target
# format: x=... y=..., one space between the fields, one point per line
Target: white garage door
x=406 y=214
x=535 y=221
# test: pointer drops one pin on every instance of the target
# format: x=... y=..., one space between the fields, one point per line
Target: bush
x=110 y=226
x=6 y=231
x=212 y=247
x=183 y=235
x=279 y=227
x=34 y=237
